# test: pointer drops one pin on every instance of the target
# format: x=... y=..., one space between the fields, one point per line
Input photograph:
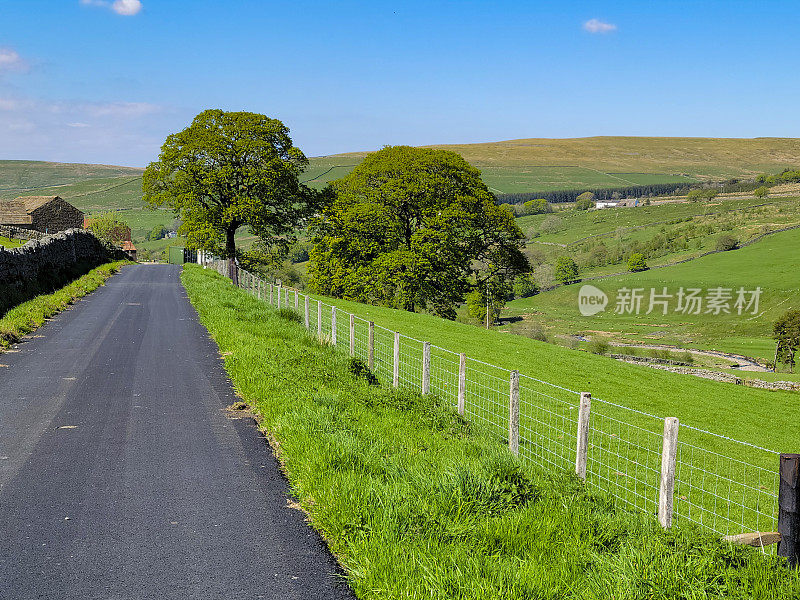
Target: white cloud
x=598 y=26
x=7 y=104
x=83 y=130
x=120 y=109
x=11 y=61
x=126 y=8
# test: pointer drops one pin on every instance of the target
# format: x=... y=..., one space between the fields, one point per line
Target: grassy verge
x=29 y=315
x=10 y=243
x=417 y=503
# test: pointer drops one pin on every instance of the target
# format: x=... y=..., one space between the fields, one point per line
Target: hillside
x=601 y=241
x=28 y=177
x=770 y=264
x=535 y=164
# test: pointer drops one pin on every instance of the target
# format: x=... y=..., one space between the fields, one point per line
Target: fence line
x=721 y=484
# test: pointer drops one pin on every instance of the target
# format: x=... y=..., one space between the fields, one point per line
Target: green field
x=506 y=179
x=724 y=485
x=416 y=503
x=771 y=264
x=33 y=178
x=601 y=241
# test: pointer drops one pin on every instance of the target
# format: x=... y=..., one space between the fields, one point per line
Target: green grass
x=727 y=486
x=28 y=316
x=35 y=178
x=507 y=179
x=760 y=417
x=578 y=225
x=416 y=503
x=10 y=243
x=770 y=264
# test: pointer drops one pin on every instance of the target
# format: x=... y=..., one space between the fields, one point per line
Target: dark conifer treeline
x=631 y=191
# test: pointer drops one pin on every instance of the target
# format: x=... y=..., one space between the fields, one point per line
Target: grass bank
x=26 y=317
x=10 y=243
x=417 y=503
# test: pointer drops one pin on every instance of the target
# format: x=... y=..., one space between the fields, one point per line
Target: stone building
x=48 y=214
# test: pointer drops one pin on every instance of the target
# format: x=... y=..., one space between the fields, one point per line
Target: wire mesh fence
x=720 y=484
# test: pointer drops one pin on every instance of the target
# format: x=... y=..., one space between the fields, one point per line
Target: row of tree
x=408 y=228
x=614 y=193
x=759 y=185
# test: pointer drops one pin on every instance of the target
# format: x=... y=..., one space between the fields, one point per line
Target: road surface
x=121 y=474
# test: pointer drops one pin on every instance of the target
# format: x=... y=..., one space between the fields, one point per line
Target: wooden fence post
x=462 y=383
x=789 y=508
x=426 y=368
x=669 y=455
x=513 y=413
x=286 y=297
x=582 y=448
x=279 y=296
x=259 y=285
x=352 y=334
x=319 y=320
x=371 y=347
x=271 y=293
x=333 y=325
x=307 y=320
x=396 y=365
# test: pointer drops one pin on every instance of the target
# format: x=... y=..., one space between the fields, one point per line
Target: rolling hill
x=539 y=165
x=523 y=165
x=29 y=177
x=770 y=264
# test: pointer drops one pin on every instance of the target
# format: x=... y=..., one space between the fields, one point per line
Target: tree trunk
x=230 y=243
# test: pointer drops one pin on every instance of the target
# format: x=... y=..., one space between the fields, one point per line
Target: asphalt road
x=121 y=474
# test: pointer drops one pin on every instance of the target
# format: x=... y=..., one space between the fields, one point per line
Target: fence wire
x=721 y=484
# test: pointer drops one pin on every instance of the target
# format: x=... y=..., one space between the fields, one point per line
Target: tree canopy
x=585 y=201
x=227 y=170
x=537 y=206
x=109 y=228
x=636 y=262
x=566 y=270
x=786 y=330
x=413 y=228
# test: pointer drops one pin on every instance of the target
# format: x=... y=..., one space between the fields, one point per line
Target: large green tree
x=786 y=330
x=227 y=170
x=413 y=228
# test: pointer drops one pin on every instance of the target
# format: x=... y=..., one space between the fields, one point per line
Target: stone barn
x=48 y=214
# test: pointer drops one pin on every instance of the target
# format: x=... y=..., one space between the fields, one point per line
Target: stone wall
x=20 y=233
x=791 y=386
x=42 y=266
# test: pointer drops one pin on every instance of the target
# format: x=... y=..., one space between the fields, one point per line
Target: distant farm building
x=48 y=214
x=129 y=249
x=608 y=204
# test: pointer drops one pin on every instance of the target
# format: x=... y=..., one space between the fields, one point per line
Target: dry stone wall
x=41 y=266
x=20 y=233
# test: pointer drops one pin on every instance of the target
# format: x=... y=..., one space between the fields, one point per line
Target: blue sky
x=107 y=80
